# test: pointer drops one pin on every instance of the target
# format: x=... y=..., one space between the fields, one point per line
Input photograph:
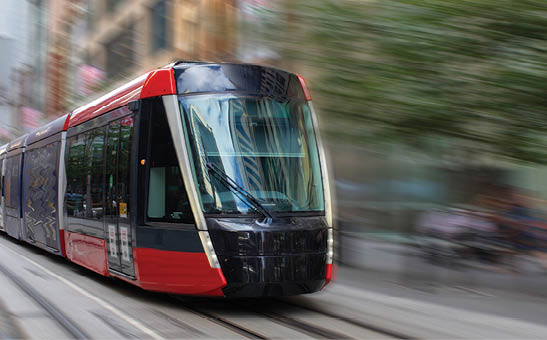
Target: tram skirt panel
x=87 y=251
x=174 y=261
x=178 y=272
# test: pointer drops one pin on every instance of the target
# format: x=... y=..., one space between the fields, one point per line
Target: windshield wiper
x=231 y=184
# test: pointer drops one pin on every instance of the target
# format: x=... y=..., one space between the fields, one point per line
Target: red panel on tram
x=117 y=98
x=87 y=251
x=178 y=272
x=159 y=83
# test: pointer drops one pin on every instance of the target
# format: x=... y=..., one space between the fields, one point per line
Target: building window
x=190 y=31
x=159 y=26
x=120 y=52
x=111 y=5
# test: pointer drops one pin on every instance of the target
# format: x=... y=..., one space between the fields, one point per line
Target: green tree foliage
x=469 y=74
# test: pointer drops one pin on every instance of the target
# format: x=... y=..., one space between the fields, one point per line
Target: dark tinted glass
x=12 y=182
x=126 y=133
x=167 y=199
x=75 y=188
x=8 y=184
x=85 y=164
x=266 y=146
x=111 y=161
x=15 y=180
x=234 y=77
x=1 y=182
x=94 y=158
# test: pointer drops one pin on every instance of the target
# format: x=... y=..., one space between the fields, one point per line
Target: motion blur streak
x=99 y=301
x=433 y=113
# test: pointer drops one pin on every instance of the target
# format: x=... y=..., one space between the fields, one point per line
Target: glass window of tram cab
x=248 y=174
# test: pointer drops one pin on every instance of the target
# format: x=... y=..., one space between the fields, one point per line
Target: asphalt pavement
x=46 y=297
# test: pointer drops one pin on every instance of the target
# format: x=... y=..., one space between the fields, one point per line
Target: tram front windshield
x=252 y=150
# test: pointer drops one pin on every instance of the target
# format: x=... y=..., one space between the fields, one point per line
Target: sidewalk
x=396 y=258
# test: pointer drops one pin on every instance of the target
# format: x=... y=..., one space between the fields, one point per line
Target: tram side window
x=85 y=175
x=12 y=182
x=7 y=183
x=75 y=188
x=167 y=199
x=94 y=159
x=1 y=181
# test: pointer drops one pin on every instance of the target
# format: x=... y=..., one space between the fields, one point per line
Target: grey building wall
x=13 y=29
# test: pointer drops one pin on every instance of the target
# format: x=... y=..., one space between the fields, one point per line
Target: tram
x=197 y=178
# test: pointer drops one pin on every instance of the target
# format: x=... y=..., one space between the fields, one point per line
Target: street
x=47 y=297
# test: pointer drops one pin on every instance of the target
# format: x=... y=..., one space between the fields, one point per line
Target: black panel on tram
x=226 y=77
x=163 y=191
x=165 y=220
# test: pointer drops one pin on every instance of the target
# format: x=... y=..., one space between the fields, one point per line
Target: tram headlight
x=330 y=245
x=209 y=249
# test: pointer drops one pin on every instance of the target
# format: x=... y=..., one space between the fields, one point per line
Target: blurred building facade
x=97 y=44
x=23 y=44
x=63 y=16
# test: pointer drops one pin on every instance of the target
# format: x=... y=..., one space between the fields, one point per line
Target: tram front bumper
x=285 y=258
x=253 y=276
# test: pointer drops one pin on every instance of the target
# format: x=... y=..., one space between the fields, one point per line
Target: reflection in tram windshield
x=266 y=146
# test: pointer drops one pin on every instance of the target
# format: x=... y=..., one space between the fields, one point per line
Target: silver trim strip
x=2 y=203
x=22 y=229
x=175 y=125
x=61 y=185
x=327 y=190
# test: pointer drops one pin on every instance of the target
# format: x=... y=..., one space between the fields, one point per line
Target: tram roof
x=56 y=126
x=17 y=143
x=193 y=77
x=200 y=76
x=155 y=83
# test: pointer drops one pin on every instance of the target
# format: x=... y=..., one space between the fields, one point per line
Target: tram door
x=117 y=214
